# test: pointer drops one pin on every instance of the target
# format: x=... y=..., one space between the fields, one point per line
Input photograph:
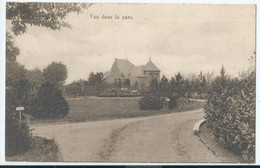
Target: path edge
x=196 y=128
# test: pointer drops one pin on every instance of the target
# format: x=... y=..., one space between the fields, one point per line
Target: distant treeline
x=196 y=86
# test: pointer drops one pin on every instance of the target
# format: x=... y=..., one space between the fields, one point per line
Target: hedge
x=230 y=111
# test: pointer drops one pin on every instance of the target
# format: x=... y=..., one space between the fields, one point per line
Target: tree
x=18 y=136
x=96 y=83
x=177 y=85
x=50 y=103
x=95 y=78
x=164 y=86
x=76 y=88
x=55 y=72
x=50 y=15
x=153 y=87
x=11 y=50
x=14 y=73
x=223 y=71
x=36 y=79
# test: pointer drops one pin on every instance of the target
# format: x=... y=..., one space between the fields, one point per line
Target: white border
x=2 y=77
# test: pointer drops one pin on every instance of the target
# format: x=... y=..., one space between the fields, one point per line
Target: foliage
x=95 y=78
x=55 y=72
x=173 y=102
x=18 y=135
x=166 y=91
x=151 y=101
x=96 y=83
x=50 y=103
x=154 y=86
x=177 y=86
x=42 y=150
x=230 y=111
x=164 y=86
x=14 y=73
x=36 y=79
x=50 y=15
x=11 y=50
x=76 y=88
x=20 y=83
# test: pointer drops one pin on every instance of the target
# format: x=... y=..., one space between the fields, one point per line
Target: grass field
x=91 y=108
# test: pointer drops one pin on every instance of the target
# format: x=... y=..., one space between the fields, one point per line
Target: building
x=123 y=70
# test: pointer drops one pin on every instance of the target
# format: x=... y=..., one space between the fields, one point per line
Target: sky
x=178 y=37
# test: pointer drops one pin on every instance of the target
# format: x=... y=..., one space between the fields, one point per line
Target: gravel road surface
x=164 y=138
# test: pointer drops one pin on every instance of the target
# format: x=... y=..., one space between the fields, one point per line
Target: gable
x=150 y=66
x=121 y=66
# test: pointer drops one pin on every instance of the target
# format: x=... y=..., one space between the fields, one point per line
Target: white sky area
x=177 y=37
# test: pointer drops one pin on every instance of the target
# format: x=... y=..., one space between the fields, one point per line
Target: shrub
x=151 y=101
x=17 y=137
x=17 y=133
x=230 y=111
x=50 y=103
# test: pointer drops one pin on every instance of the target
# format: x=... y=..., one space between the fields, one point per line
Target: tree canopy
x=11 y=50
x=50 y=15
x=95 y=78
x=55 y=72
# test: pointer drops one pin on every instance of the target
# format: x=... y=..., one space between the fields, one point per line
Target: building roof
x=123 y=65
x=136 y=71
x=106 y=74
x=150 y=66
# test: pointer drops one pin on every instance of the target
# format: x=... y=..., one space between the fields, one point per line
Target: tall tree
x=55 y=72
x=96 y=83
x=95 y=78
x=36 y=79
x=164 y=86
x=153 y=87
x=50 y=15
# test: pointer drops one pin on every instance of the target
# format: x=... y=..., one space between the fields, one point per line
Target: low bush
x=42 y=150
x=151 y=101
x=49 y=103
x=230 y=111
x=17 y=137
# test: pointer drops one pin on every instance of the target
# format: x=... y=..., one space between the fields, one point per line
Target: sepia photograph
x=130 y=82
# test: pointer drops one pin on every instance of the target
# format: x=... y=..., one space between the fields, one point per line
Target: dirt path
x=165 y=138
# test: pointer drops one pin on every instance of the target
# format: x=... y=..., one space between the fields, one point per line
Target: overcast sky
x=185 y=38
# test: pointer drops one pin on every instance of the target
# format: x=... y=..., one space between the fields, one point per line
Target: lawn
x=91 y=108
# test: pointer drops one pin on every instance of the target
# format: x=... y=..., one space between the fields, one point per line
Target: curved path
x=164 y=138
